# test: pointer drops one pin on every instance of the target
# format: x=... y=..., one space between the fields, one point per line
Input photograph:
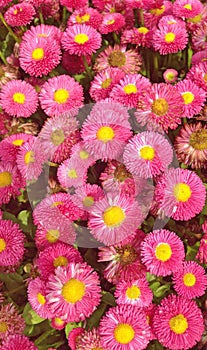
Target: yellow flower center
x=2 y=245
x=133 y=292
x=52 y=235
x=170 y=76
x=126 y=254
x=158 y=11
x=88 y=201
x=124 y=333
x=61 y=96
x=72 y=174
x=105 y=134
x=81 y=38
x=110 y=22
x=130 y=89
x=189 y=279
x=163 y=252
x=198 y=139
x=196 y=19
x=55 y=204
x=82 y=19
x=169 y=37
x=159 y=107
x=29 y=157
x=41 y=299
x=73 y=291
x=18 y=142
x=182 y=192
x=58 y=321
x=188 y=97
x=113 y=216
x=143 y=30
x=147 y=153
x=5 y=179
x=18 y=97
x=3 y=327
x=188 y=7
x=60 y=261
x=15 y=11
x=106 y=83
x=117 y=59
x=57 y=137
x=84 y=155
x=38 y=54
x=178 y=324
x=205 y=78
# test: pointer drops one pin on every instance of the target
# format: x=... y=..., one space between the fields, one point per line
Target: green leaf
x=161 y=290
x=71 y=325
x=8 y=216
x=30 y=316
x=108 y=299
x=192 y=251
x=94 y=319
x=154 y=286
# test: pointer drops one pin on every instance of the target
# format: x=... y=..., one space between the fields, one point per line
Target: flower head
x=112 y=22
x=74 y=4
x=86 y=15
x=140 y=36
x=198 y=74
x=10 y=182
x=49 y=32
x=88 y=340
x=170 y=75
x=11 y=243
x=10 y=146
x=18 y=341
x=187 y=8
x=19 y=14
x=10 y=321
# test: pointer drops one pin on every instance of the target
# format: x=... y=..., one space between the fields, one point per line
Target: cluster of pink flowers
x=103 y=157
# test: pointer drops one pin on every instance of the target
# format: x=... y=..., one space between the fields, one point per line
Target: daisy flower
x=194 y=23
x=60 y=95
x=180 y=194
x=123 y=327
x=89 y=340
x=72 y=173
x=87 y=195
x=193 y=97
x=160 y=108
x=10 y=146
x=119 y=57
x=74 y=4
x=111 y=22
x=36 y=291
x=134 y=292
x=187 y=8
x=170 y=39
x=40 y=56
x=43 y=30
x=147 y=154
x=198 y=74
x=58 y=323
x=10 y=321
x=190 y=281
x=141 y=36
x=59 y=254
x=155 y=12
x=100 y=4
x=170 y=75
x=191 y=145
x=18 y=98
x=75 y=336
x=178 y=323
x=74 y=64
x=18 y=341
x=129 y=89
x=104 y=82
x=88 y=16
x=162 y=252
x=171 y=21
x=112 y=219
x=11 y=243
x=200 y=56
x=73 y=291
x=81 y=39
x=10 y=182
x=19 y=14
x=198 y=38
x=202 y=250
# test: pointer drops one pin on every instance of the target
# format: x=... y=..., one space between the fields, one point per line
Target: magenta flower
x=11 y=243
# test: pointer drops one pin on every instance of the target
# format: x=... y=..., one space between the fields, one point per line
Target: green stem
x=3 y=58
x=64 y=16
x=136 y=18
x=155 y=67
x=41 y=17
x=116 y=38
x=16 y=289
x=184 y=120
x=88 y=71
x=9 y=29
x=141 y=17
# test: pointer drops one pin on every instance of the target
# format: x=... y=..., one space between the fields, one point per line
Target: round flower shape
x=134 y=292
x=11 y=243
x=171 y=21
x=87 y=195
x=198 y=74
x=59 y=254
x=36 y=296
x=10 y=321
x=191 y=145
x=74 y=4
x=10 y=182
x=123 y=327
x=147 y=154
x=58 y=323
x=112 y=219
x=111 y=22
x=20 y=14
x=170 y=75
x=181 y=194
x=198 y=39
x=43 y=30
x=200 y=56
x=18 y=98
x=187 y=8
x=75 y=336
x=178 y=323
x=18 y=341
x=193 y=97
x=73 y=292
x=10 y=146
x=160 y=108
x=87 y=340
x=60 y=95
x=81 y=39
x=88 y=16
x=190 y=281
x=162 y=252
x=38 y=57
x=156 y=12
x=170 y=39
x=141 y=36
x=72 y=172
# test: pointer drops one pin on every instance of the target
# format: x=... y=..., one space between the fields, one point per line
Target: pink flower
x=10 y=182
x=198 y=74
x=201 y=255
x=10 y=146
x=141 y=36
x=10 y=320
x=88 y=340
x=187 y=8
x=73 y=64
x=73 y=4
x=88 y=16
x=11 y=243
x=133 y=292
x=17 y=341
x=36 y=296
x=170 y=75
x=111 y=22
x=49 y=32
x=19 y=14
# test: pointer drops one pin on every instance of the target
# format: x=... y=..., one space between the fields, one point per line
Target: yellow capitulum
x=82 y=19
x=147 y=153
x=18 y=97
x=105 y=134
x=143 y=30
x=178 y=324
x=3 y=327
x=113 y=216
x=182 y=192
x=106 y=83
x=188 y=7
x=160 y=107
x=110 y=21
x=18 y=142
x=52 y=235
x=60 y=261
x=158 y=11
x=2 y=245
x=73 y=291
x=130 y=89
x=29 y=157
x=124 y=333
x=189 y=279
x=72 y=174
x=83 y=154
x=81 y=38
x=163 y=252
x=188 y=97
x=88 y=201
x=61 y=96
x=169 y=37
x=5 y=179
x=133 y=292
x=38 y=54
x=41 y=299
x=57 y=137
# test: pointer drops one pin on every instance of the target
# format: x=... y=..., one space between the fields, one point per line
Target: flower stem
x=9 y=29
x=3 y=58
x=41 y=17
x=141 y=17
x=64 y=15
x=116 y=38
x=136 y=18
x=88 y=71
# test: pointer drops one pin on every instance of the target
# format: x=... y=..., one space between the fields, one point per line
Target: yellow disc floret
x=133 y=292
x=18 y=97
x=38 y=54
x=169 y=37
x=5 y=179
x=113 y=216
x=147 y=153
x=41 y=299
x=105 y=134
x=188 y=97
x=81 y=38
x=2 y=245
x=182 y=192
x=189 y=279
x=73 y=291
x=163 y=252
x=61 y=96
x=124 y=333
x=178 y=324
x=130 y=89
x=160 y=107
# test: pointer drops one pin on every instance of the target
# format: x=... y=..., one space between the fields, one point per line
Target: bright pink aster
x=147 y=154
x=10 y=182
x=10 y=320
x=134 y=4
x=86 y=15
x=200 y=56
x=162 y=252
x=72 y=173
x=141 y=36
x=18 y=341
x=198 y=74
x=160 y=108
x=201 y=255
x=73 y=4
x=19 y=14
x=73 y=64
x=89 y=340
x=199 y=38
x=18 y=98
x=178 y=323
x=190 y=281
x=87 y=195
x=58 y=323
x=10 y=146
x=156 y=12
x=40 y=56
x=152 y=4
x=59 y=254
x=171 y=21
x=74 y=336
x=187 y=8
x=11 y=243
x=170 y=75
x=36 y=291
x=180 y=194
x=112 y=22
x=73 y=291
x=196 y=22
x=50 y=32
x=60 y=95
x=124 y=327
x=193 y=97
x=49 y=8
x=81 y=39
